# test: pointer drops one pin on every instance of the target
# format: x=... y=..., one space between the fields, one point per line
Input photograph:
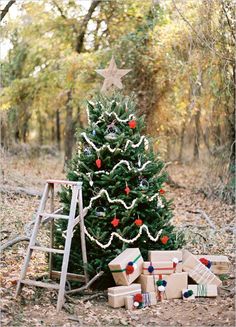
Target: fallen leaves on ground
x=36 y=307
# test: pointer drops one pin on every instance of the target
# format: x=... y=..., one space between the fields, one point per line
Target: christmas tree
x=123 y=192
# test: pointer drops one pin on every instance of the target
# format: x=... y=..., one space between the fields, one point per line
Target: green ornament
x=159 y=282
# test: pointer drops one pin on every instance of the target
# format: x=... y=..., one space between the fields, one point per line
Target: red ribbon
x=174 y=267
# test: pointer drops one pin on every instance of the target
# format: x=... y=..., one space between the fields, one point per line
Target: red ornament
x=115 y=222
x=132 y=124
x=127 y=190
x=129 y=269
x=99 y=163
x=164 y=239
x=138 y=298
x=162 y=191
x=204 y=261
x=138 y=222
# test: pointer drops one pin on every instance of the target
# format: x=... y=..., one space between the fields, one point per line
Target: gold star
x=112 y=75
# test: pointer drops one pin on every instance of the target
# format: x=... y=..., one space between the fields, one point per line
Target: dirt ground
x=36 y=307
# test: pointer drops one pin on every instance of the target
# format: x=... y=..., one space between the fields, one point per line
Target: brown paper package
x=117 y=294
x=120 y=263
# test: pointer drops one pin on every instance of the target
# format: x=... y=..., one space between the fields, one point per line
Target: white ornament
x=175 y=260
x=136 y=304
x=135 y=266
x=91 y=183
x=161 y=288
x=159 y=203
x=146 y=145
x=139 y=161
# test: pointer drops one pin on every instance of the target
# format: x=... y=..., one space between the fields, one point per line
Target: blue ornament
x=209 y=264
x=164 y=283
x=186 y=295
x=150 y=269
x=130 y=263
x=94 y=132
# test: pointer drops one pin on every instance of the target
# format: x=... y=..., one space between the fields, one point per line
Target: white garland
x=118 y=200
x=125 y=240
x=131 y=116
x=110 y=200
x=133 y=145
x=128 y=165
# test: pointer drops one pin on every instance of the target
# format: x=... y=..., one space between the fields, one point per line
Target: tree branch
x=6 y=9
x=228 y=20
x=84 y=24
x=198 y=36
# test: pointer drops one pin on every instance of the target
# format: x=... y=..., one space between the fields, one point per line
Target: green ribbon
x=201 y=290
x=122 y=270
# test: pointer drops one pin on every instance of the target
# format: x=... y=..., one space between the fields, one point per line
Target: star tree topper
x=112 y=75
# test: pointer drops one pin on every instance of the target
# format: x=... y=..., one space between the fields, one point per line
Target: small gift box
x=127 y=266
x=172 y=256
x=203 y=290
x=166 y=286
x=188 y=295
x=139 y=300
x=160 y=267
x=117 y=294
x=219 y=264
x=198 y=271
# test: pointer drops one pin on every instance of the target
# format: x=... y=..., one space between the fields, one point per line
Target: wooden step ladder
x=42 y=217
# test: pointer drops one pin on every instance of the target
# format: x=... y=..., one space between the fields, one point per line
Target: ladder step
x=69 y=276
x=55 y=216
x=49 y=250
x=53 y=181
x=40 y=284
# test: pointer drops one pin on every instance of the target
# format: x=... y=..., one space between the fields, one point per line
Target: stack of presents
x=167 y=275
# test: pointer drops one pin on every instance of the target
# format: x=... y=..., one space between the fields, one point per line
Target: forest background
x=183 y=75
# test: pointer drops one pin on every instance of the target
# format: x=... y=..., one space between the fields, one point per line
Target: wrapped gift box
x=127 y=266
x=220 y=263
x=203 y=290
x=148 y=299
x=173 y=256
x=188 y=295
x=117 y=294
x=160 y=267
x=175 y=283
x=197 y=271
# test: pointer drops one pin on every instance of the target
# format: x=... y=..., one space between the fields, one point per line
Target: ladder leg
x=32 y=240
x=50 y=263
x=69 y=234
x=82 y=236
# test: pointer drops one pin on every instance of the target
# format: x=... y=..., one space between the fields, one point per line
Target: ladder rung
x=40 y=284
x=48 y=215
x=69 y=276
x=44 y=249
x=53 y=181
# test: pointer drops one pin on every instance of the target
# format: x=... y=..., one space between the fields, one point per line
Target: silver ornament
x=144 y=184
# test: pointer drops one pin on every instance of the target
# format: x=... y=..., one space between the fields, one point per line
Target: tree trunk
x=58 y=129
x=180 y=157
x=69 y=130
x=197 y=134
x=84 y=24
x=197 y=116
x=40 y=129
